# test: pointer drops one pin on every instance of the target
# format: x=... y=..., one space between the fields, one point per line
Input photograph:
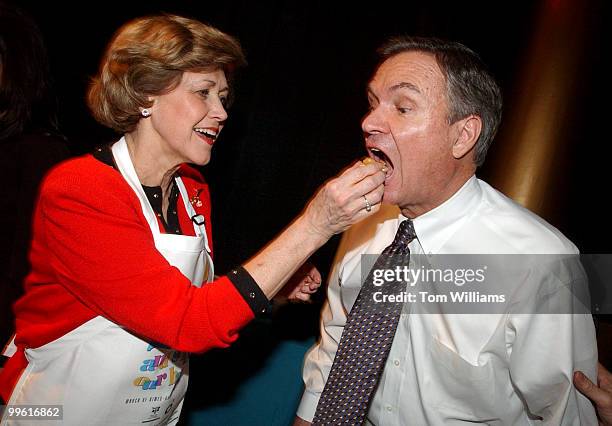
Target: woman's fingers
x=340 y=202
x=369 y=182
x=373 y=197
x=310 y=287
x=314 y=285
x=315 y=275
x=349 y=188
x=368 y=185
x=362 y=177
x=303 y=297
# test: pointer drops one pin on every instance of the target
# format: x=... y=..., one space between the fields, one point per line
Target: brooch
x=195 y=200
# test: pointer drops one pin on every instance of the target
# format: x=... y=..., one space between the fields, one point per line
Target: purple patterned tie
x=365 y=342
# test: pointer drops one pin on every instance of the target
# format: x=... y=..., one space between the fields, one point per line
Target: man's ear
x=468 y=131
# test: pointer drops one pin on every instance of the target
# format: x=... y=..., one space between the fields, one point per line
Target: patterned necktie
x=365 y=342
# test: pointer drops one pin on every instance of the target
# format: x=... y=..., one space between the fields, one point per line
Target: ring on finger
x=368 y=206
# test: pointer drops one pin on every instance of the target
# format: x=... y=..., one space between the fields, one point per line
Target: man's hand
x=600 y=394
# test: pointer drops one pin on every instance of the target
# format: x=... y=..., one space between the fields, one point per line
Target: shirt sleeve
x=319 y=359
x=547 y=346
x=100 y=249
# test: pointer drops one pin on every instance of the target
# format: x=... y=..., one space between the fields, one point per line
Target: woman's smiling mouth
x=207 y=134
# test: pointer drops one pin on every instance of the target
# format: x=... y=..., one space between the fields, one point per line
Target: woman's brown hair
x=147 y=57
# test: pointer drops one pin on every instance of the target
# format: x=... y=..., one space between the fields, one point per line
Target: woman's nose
x=218 y=111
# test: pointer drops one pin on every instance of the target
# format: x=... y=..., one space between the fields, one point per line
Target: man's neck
x=444 y=194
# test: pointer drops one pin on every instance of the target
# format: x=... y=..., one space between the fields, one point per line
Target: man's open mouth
x=380 y=156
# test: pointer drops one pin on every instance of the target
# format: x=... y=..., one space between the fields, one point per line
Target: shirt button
x=155 y=195
x=178 y=231
x=396 y=362
x=389 y=408
x=252 y=295
x=173 y=211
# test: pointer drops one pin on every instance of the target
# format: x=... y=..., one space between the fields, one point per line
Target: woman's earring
x=145 y=112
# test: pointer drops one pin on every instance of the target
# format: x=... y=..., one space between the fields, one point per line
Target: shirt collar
x=436 y=226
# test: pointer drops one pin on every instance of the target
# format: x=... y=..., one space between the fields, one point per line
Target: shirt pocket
x=461 y=391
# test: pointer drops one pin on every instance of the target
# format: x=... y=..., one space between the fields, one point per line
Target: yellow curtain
x=530 y=153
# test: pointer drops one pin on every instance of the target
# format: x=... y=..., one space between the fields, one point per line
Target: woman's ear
x=147 y=111
x=469 y=129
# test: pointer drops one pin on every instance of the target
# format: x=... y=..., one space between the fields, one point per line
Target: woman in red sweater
x=121 y=239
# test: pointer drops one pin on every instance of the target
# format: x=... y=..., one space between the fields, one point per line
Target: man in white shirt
x=434 y=110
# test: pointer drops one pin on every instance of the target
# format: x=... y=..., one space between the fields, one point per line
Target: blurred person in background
x=30 y=142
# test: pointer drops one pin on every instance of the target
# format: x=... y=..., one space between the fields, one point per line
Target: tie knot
x=405 y=233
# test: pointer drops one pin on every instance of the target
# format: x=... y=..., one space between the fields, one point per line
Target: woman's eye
x=403 y=110
x=223 y=100
x=204 y=93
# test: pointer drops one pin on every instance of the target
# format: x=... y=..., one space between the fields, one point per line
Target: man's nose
x=373 y=122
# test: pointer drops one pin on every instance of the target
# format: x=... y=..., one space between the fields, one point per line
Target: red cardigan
x=93 y=254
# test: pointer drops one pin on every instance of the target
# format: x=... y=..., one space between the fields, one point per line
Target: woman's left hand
x=301 y=285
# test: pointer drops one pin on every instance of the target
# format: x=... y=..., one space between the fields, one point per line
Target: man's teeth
x=380 y=156
x=208 y=133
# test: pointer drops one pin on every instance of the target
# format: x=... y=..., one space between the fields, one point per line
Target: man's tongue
x=381 y=156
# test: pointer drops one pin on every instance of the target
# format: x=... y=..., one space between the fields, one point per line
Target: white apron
x=103 y=374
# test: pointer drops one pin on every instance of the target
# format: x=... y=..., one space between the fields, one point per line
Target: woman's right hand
x=337 y=205
x=340 y=202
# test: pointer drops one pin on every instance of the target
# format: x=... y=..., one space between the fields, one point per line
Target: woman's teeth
x=206 y=132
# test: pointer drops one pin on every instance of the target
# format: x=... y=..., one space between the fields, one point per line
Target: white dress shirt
x=494 y=368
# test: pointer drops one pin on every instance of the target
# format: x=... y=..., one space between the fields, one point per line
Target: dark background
x=299 y=103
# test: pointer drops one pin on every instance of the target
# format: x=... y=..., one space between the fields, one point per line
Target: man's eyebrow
x=404 y=85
